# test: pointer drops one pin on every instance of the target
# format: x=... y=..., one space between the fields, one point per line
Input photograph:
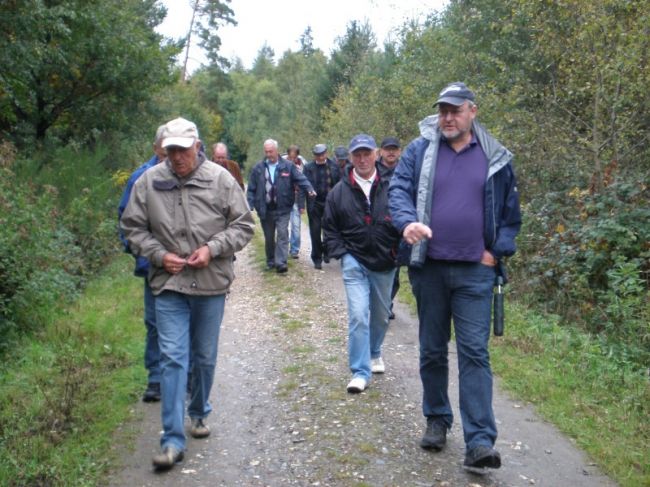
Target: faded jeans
x=186 y=322
x=462 y=290
x=368 y=296
x=294 y=245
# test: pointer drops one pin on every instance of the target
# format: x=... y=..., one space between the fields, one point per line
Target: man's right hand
x=173 y=263
x=416 y=231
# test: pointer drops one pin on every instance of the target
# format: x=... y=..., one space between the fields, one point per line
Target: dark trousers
x=462 y=291
x=276 y=249
x=315 y=213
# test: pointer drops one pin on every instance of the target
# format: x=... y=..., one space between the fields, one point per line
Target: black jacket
x=287 y=176
x=364 y=230
x=311 y=172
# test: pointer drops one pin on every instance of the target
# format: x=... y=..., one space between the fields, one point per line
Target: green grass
x=587 y=390
x=66 y=389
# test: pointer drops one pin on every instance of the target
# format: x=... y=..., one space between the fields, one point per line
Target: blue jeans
x=462 y=290
x=151 y=349
x=276 y=250
x=186 y=322
x=368 y=296
x=294 y=244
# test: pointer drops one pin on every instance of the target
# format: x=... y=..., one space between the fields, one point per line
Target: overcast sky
x=280 y=23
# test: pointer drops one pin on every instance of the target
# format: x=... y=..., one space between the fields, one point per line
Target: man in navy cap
x=358 y=231
x=323 y=174
x=341 y=154
x=453 y=198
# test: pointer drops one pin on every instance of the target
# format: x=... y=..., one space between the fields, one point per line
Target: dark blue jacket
x=411 y=187
x=141 y=263
x=287 y=176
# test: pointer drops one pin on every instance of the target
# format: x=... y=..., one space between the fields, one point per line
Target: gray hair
x=220 y=145
x=159 y=134
x=272 y=142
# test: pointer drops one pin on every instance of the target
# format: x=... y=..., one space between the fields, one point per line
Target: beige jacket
x=166 y=213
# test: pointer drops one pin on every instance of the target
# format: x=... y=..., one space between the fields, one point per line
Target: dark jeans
x=276 y=250
x=315 y=213
x=462 y=290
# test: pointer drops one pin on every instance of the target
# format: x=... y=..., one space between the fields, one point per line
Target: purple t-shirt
x=457 y=205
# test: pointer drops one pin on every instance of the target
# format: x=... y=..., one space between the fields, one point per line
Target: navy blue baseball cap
x=362 y=141
x=319 y=149
x=341 y=152
x=455 y=94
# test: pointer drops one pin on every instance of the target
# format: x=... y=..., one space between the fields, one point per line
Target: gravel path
x=282 y=416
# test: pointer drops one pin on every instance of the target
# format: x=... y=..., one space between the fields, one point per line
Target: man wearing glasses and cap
x=323 y=174
x=188 y=217
x=453 y=197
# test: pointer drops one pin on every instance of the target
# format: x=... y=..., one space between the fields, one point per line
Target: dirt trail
x=282 y=416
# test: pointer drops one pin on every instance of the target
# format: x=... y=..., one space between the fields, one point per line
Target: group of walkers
x=447 y=207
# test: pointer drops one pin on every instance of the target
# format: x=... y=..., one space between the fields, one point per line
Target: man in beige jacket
x=188 y=218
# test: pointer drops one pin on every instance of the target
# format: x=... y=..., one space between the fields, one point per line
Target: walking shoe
x=377 y=365
x=357 y=384
x=167 y=459
x=435 y=436
x=326 y=259
x=294 y=256
x=281 y=269
x=482 y=457
x=199 y=429
x=152 y=392
x=318 y=265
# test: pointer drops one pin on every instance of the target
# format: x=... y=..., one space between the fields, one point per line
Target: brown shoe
x=169 y=457
x=199 y=429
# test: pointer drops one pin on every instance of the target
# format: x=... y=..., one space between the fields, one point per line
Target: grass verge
x=66 y=389
x=587 y=391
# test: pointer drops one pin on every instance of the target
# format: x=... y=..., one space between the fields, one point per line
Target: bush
x=57 y=227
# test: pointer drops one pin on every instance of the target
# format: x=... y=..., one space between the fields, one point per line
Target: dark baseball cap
x=362 y=141
x=390 y=142
x=341 y=152
x=319 y=149
x=455 y=94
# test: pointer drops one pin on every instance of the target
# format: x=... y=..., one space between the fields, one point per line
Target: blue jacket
x=141 y=263
x=287 y=176
x=411 y=187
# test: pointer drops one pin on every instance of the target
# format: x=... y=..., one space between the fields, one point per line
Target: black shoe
x=318 y=265
x=270 y=266
x=281 y=269
x=435 y=436
x=152 y=393
x=326 y=259
x=294 y=256
x=391 y=316
x=482 y=457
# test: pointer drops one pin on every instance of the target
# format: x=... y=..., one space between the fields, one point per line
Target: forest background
x=563 y=84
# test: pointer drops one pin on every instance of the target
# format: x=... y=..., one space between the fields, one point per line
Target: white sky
x=280 y=23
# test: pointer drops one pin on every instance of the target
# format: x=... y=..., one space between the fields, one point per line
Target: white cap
x=180 y=132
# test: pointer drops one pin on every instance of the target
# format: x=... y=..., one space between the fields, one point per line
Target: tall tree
x=207 y=17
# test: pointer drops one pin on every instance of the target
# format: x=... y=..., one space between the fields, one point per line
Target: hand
x=416 y=231
x=173 y=263
x=302 y=211
x=312 y=194
x=200 y=257
x=488 y=259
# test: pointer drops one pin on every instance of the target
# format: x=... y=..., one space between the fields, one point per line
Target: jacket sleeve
x=240 y=224
x=135 y=225
x=252 y=188
x=301 y=180
x=122 y=206
x=332 y=238
x=509 y=219
x=402 y=190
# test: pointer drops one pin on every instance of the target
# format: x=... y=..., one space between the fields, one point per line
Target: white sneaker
x=377 y=365
x=357 y=384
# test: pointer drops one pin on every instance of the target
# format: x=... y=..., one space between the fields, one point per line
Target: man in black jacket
x=323 y=174
x=271 y=193
x=358 y=230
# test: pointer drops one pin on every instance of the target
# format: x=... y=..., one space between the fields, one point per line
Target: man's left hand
x=200 y=257
x=488 y=259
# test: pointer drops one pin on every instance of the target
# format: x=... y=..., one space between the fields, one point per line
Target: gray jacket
x=166 y=213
